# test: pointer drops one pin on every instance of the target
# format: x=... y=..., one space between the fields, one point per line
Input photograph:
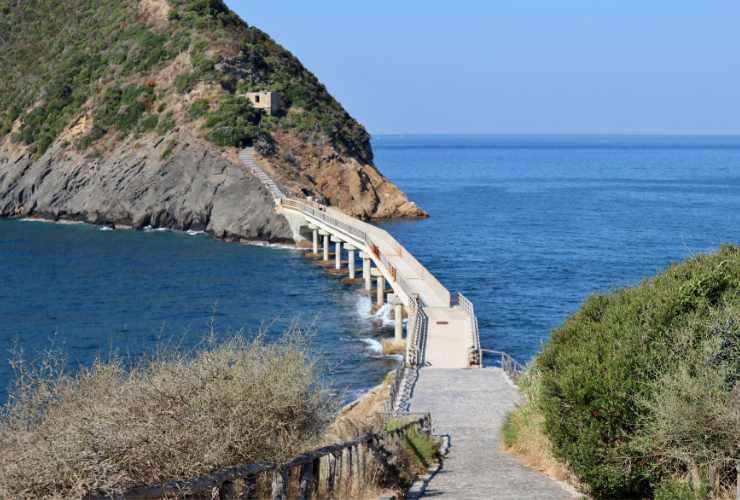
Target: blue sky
x=519 y=66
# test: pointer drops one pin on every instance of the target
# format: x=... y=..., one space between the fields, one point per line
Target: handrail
x=475 y=350
x=509 y=365
x=220 y=483
x=417 y=328
x=318 y=212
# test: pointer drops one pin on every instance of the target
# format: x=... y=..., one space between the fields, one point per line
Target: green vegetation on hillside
x=61 y=56
x=638 y=391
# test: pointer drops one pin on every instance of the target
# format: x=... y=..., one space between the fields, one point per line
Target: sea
x=525 y=226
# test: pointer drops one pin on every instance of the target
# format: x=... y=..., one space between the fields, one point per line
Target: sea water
x=526 y=227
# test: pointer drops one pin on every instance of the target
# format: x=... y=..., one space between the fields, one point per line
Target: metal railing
x=509 y=365
x=318 y=211
x=417 y=330
x=475 y=350
x=401 y=391
x=321 y=470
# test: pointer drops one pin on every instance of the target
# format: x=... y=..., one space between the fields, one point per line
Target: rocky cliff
x=131 y=112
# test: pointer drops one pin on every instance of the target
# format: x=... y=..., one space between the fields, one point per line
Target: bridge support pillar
x=380 y=298
x=397 y=317
x=337 y=253
x=315 y=233
x=350 y=260
x=366 y=264
x=326 y=245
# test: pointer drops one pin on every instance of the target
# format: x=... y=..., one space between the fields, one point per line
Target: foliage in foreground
x=641 y=385
x=174 y=415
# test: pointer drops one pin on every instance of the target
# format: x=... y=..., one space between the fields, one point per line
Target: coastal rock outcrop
x=192 y=188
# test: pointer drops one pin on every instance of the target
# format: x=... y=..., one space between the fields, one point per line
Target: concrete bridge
x=442 y=329
x=444 y=372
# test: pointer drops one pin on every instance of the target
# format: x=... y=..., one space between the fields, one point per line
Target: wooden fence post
x=307 y=481
x=280 y=484
x=250 y=488
x=331 y=476
x=317 y=475
x=350 y=471
x=362 y=459
x=227 y=490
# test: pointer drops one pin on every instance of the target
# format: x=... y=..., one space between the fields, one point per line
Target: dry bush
x=173 y=415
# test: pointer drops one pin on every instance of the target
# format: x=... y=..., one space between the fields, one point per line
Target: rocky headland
x=132 y=113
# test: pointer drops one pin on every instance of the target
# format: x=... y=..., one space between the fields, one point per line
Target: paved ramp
x=469 y=405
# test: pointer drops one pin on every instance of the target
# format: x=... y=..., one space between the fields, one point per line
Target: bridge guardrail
x=417 y=328
x=317 y=211
x=509 y=365
x=475 y=350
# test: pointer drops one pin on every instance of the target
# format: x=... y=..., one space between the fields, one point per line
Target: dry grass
x=524 y=436
x=174 y=415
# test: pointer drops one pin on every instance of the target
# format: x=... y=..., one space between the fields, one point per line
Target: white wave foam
x=193 y=232
x=281 y=246
x=384 y=315
x=105 y=228
x=364 y=307
x=372 y=345
x=50 y=221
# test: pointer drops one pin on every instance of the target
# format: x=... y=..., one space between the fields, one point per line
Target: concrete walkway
x=469 y=405
x=446 y=345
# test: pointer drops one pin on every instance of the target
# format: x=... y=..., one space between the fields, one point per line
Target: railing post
x=331 y=477
x=351 y=464
x=308 y=481
x=362 y=462
x=250 y=488
x=280 y=484
x=227 y=490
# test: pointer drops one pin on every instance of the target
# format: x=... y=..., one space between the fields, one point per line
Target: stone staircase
x=246 y=155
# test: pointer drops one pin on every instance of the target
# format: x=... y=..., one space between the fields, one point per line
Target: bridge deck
x=446 y=326
x=469 y=406
x=421 y=281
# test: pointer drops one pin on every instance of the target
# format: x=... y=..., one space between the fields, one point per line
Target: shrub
x=692 y=412
x=599 y=370
x=173 y=415
x=148 y=123
x=234 y=123
x=185 y=82
x=123 y=107
x=198 y=108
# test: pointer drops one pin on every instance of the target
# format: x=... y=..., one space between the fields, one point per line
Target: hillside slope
x=132 y=112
